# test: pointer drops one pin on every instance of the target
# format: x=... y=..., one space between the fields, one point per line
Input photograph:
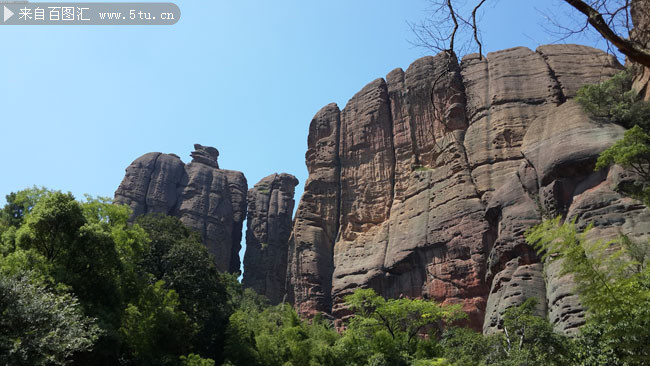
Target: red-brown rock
x=424 y=185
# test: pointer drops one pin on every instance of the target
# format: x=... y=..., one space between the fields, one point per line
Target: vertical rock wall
x=316 y=224
x=423 y=185
x=270 y=210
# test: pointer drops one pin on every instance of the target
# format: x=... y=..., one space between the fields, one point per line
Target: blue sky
x=79 y=103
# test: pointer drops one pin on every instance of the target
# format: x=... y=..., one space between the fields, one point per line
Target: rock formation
x=269 y=224
x=422 y=186
x=204 y=197
x=421 y=199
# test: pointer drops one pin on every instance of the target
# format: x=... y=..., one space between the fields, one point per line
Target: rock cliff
x=423 y=185
x=204 y=197
x=269 y=224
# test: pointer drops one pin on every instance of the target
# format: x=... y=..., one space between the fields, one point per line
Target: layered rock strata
x=269 y=224
x=204 y=197
x=423 y=185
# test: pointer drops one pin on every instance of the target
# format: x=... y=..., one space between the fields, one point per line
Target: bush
x=615 y=100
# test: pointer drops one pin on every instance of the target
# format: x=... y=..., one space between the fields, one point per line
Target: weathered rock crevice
x=561 y=98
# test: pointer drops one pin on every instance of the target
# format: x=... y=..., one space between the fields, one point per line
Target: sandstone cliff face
x=422 y=199
x=310 y=267
x=269 y=224
x=204 y=197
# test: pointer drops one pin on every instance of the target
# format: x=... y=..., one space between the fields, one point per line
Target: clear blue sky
x=79 y=103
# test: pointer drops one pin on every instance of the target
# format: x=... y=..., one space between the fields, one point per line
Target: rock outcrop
x=269 y=224
x=204 y=197
x=424 y=184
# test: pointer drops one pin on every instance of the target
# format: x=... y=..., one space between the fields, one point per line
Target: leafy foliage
x=613 y=281
x=468 y=347
x=152 y=288
x=527 y=339
x=154 y=327
x=39 y=326
x=262 y=335
x=81 y=284
x=615 y=101
x=631 y=152
x=392 y=328
x=530 y=339
x=195 y=360
x=19 y=204
x=177 y=257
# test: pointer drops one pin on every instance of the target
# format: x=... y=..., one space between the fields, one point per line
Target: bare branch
x=629 y=48
x=480 y=46
x=452 y=13
x=450 y=26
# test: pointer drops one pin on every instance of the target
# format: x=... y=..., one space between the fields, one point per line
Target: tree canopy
x=80 y=284
x=146 y=293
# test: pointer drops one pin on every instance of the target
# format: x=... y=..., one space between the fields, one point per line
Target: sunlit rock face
x=423 y=185
x=425 y=182
x=208 y=199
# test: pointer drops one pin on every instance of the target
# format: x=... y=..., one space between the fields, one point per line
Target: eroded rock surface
x=424 y=184
x=270 y=210
x=208 y=199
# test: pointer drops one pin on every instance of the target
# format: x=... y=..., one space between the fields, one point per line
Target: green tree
x=82 y=253
x=528 y=339
x=155 y=330
x=152 y=285
x=195 y=360
x=52 y=225
x=177 y=257
x=39 y=326
x=391 y=327
x=632 y=152
x=613 y=281
x=616 y=101
x=467 y=347
x=261 y=335
x=87 y=248
x=19 y=204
